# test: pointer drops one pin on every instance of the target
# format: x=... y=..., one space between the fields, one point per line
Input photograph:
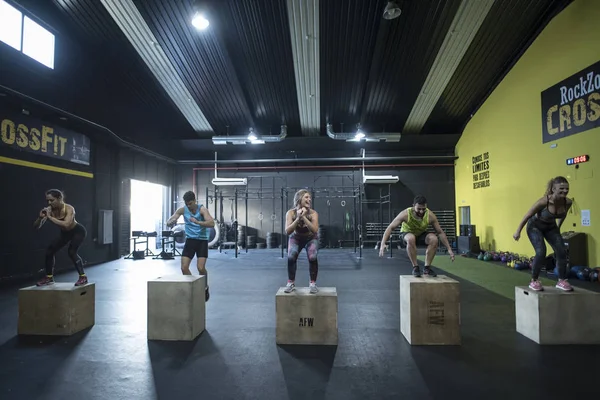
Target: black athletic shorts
x=420 y=238
x=196 y=247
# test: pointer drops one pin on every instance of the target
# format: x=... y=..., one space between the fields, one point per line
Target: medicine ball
x=584 y=274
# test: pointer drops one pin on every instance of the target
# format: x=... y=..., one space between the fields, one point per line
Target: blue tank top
x=193 y=230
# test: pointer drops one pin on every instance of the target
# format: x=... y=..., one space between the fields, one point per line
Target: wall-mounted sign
x=24 y=132
x=572 y=106
x=578 y=160
x=481 y=170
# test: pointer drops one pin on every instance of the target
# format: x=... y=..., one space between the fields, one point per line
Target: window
x=25 y=35
x=38 y=43
x=11 y=25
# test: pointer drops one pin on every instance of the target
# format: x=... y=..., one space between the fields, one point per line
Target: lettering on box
x=435 y=315
x=306 y=322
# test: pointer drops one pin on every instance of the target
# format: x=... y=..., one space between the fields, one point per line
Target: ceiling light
x=200 y=22
x=392 y=10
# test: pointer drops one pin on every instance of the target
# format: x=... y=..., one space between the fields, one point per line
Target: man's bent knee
x=411 y=240
x=432 y=240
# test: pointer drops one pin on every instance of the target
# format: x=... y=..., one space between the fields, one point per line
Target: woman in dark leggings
x=72 y=232
x=302 y=224
x=541 y=224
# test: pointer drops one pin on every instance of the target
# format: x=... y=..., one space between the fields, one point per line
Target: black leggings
x=537 y=233
x=76 y=237
x=295 y=245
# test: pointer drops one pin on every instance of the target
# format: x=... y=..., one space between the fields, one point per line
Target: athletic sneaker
x=416 y=271
x=428 y=271
x=206 y=294
x=48 y=280
x=81 y=281
x=536 y=285
x=290 y=287
x=563 y=284
x=313 y=287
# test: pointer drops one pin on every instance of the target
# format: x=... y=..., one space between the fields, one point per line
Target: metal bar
x=220 y=216
x=206 y=202
x=236 y=220
x=283 y=235
x=322 y=166
x=390 y=218
x=194 y=181
x=246 y=226
x=360 y=234
x=354 y=222
x=380 y=217
x=319 y=159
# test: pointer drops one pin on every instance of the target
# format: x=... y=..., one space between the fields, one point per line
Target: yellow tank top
x=414 y=225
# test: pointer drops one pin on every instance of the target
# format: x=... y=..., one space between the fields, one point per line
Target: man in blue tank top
x=197 y=219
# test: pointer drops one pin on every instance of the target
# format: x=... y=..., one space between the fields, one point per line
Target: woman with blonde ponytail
x=302 y=226
x=541 y=225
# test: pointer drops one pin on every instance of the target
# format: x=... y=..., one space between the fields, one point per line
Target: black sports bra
x=546 y=216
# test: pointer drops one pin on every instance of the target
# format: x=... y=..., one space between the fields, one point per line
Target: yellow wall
x=509 y=125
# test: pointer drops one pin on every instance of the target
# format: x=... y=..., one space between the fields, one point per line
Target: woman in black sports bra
x=62 y=215
x=541 y=224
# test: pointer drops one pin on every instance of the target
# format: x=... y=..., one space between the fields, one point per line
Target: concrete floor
x=237 y=358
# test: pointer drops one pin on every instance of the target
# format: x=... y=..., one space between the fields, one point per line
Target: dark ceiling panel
x=405 y=50
x=348 y=32
x=92 y=20
x=257 y=35
x=373 y=69
x=202 y=61
x=122 y=65
x=508 y=30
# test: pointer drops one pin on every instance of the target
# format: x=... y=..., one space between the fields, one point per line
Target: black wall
x=435 y=183
x=87 y=85
x=22 y=248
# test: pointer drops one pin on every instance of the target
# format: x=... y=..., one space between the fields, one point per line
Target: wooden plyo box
x=430 y=310
x=553 y=316
x=305 y=318
x=176 y=307
x=60 y=309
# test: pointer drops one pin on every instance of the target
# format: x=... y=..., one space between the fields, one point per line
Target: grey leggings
x=537 y=232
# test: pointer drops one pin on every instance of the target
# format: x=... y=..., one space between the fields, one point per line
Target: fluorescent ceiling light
x=380 y=179
x=229 y=181
x=303 y=17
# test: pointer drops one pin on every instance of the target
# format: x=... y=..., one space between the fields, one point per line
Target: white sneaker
x=313 y=287
x=290 y=287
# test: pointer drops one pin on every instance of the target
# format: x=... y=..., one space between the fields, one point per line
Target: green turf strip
x=489 y=275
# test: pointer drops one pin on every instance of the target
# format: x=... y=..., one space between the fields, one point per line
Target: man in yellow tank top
x=415 y=220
